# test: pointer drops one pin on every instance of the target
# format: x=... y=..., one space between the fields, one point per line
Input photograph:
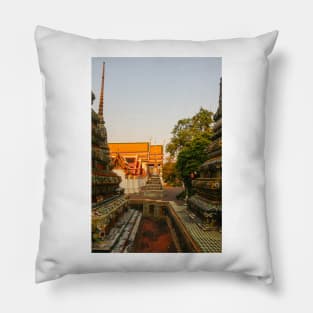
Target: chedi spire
x=220 y=96
x=100 y=112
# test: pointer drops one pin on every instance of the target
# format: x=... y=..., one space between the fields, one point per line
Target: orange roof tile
x=129 y=147
x=156 y=149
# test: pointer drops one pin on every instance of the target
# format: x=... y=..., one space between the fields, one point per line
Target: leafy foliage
x=188 y=129
x=170 y=174
x=190 y=158
x=189 y=146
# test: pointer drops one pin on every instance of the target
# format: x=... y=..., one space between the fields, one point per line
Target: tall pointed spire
x=218 y=113
x=100 y=112
x=220 y=97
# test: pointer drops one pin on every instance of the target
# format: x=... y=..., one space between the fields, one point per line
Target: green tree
x=188 y=129
x=189 y=159
x=169 y=173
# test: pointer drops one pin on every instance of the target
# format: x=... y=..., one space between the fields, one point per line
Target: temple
x=207 y=201
x=135 y=162
x=148 y=217
x=137 y=158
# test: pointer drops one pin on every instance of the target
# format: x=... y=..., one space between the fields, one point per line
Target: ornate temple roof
x=129 y=147
x=143 y=150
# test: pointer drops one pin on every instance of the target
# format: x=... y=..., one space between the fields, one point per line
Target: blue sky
x=145 y=97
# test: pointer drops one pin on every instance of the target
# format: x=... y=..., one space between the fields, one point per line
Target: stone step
x=154 y=182
x=152 y=188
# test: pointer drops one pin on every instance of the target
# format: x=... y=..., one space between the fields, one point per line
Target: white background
x=288 y=152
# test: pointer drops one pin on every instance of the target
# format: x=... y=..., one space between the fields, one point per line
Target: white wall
x=289 y=156
x=130 y=185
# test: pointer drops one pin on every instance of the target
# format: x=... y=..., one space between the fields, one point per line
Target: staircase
x=153 y=187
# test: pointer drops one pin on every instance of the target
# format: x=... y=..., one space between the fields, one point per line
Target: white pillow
x=65 y=239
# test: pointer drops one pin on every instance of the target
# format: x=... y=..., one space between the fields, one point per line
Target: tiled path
x=208 y=241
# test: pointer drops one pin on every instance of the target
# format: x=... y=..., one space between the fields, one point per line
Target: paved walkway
x=170 y=194
x=118 y=236
x=126 y=232
x=208 y=241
